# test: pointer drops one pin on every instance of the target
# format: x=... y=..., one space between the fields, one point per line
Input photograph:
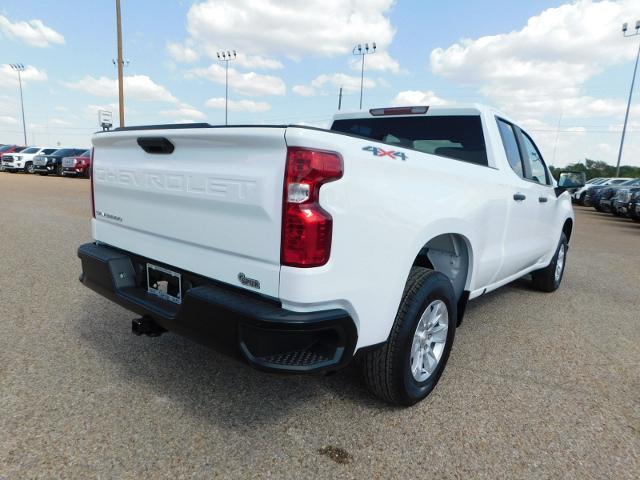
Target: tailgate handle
x=157 y=145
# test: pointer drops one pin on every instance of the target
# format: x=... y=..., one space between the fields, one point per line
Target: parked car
x=385 y=226
x=78 y=166
x=52 y=163
x=579 y=195
x=633 y=209
x=592 y=197
x=7 y=149
x=605 y=195
x=620 y=200
x=23 y=161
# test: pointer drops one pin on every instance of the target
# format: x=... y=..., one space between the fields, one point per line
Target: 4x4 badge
x=379 y=152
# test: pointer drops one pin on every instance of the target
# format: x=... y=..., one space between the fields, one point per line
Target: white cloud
x=542 y=68
x=250 y=83
x=418 y=97
x=33 y=32
x=349 y=83
x=139 y=87
x=58 y=122
x=238 y=105
x=6 y=120
x=186 y=112
x=9 y=77
x=289 y=28
x=182 y=53
x=257 y=62
x=380 y=61
x=303 y=90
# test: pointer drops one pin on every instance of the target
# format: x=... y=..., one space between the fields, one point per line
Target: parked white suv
x=23 y=161
x=299 y=248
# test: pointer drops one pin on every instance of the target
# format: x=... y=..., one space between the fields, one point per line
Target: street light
x=18 y=67
x=120 y=64
x=226 y=57
x=362 y=51
x=633 y=80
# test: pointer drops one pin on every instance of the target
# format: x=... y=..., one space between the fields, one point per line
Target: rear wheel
x=408 y=366
x=548 y=279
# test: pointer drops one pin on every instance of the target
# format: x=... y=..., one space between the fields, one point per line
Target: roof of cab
x=453 y=109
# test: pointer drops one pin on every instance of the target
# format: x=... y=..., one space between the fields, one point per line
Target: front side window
x=453 y=136
x=511 y=147
x=537 y=170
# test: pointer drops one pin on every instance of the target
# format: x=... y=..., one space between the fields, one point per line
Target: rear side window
x=459 y=137
x=511 y=147
x=31 y=150
x=48 y=151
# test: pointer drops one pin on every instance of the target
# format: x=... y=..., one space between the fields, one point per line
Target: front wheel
x=28 y=168
x=59 y=170
x=548 y=279
x=408 y=366
x=581 y=199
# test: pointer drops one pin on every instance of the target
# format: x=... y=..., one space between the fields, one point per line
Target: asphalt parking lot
x=538 y=385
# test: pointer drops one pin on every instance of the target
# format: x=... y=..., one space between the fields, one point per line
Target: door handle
x=518 y=197
x=543 y=199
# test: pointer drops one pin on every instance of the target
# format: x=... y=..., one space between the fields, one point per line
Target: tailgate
x=213 y=206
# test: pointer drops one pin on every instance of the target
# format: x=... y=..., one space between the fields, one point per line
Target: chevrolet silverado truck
x=299 y=249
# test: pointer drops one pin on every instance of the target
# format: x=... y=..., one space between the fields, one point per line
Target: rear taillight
x=306 y=227
x=93 y=195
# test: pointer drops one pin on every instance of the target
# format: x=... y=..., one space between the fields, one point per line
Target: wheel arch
x=567 y=228
x=451 y=254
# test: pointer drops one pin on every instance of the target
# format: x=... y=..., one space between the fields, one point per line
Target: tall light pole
x=18 y=67
x=120 y=65
x=359 y=50
x=226 y=57
x=633 y=81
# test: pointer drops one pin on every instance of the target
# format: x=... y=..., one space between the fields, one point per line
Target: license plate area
x=164 y=283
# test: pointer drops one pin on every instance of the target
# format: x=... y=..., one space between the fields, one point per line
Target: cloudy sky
x=562 y=69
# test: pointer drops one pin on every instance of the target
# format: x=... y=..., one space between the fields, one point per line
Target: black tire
x=545 y=279
x=43 y=174
x=581 y=199
x=28 y=168
x=387 y=369
x=59 y=170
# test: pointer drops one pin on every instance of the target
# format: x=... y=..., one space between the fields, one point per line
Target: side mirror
x=570 y=181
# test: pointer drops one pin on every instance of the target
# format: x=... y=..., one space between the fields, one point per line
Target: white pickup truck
x=299 y=248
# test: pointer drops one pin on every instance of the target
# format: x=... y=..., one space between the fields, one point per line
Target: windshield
x=64 y=152
x=86 y=153
x=459 y=137
x=31 y=150
x=600 y=181
x=5 y=148
x=631 y=183
x=618 y=181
